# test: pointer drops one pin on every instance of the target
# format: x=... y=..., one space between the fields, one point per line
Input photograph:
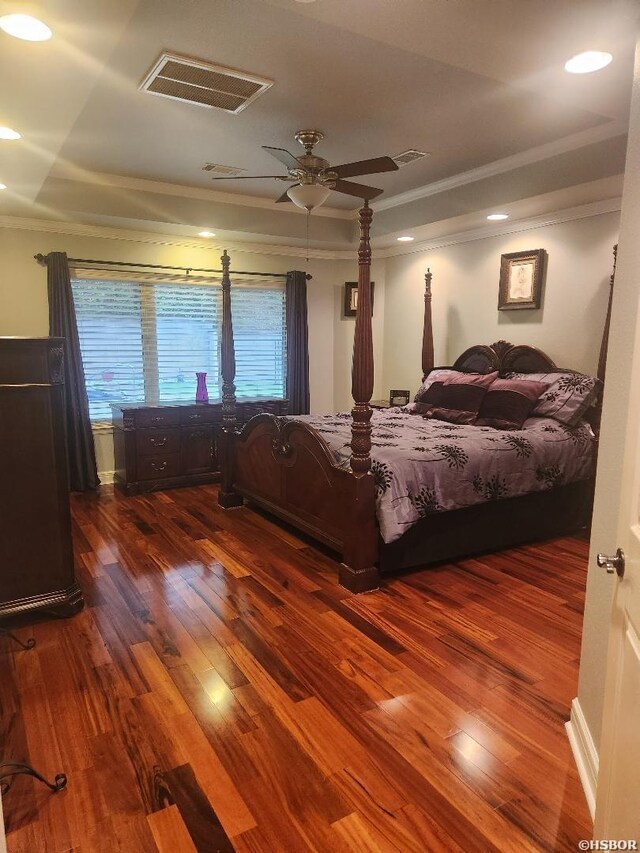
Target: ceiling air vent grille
x=410 y=156
x=202 y=83
x=219 y=171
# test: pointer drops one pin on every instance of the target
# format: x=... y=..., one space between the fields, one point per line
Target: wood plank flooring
x=220 y=692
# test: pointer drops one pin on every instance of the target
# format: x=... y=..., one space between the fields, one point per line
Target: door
x=618 y=797
x=198 y=450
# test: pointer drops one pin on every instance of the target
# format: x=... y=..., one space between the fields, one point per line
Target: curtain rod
x=42 y=259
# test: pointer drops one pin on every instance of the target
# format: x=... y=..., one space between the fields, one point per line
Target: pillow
x=567 y=397
x=460 y=397
x=508 y=402
x=439 y=374
x=427 y=398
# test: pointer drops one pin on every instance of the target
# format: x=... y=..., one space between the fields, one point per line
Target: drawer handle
x=158 y=442
x=158 y=419
x=195 y=417
x=159 y=467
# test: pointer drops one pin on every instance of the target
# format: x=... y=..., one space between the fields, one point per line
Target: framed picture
x=521 y=275
x=351 y=298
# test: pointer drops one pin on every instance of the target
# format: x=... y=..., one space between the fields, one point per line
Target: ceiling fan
x=313 y=177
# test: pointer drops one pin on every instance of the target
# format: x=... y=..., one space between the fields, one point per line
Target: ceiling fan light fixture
x=308 y=196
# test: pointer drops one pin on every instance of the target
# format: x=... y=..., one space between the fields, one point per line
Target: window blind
x=143 y=341
x=109 y=318
x=186 y=324
x=259 y=332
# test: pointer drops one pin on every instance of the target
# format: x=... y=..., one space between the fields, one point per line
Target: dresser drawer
x=204 y=415
x=157 y=417
x=158 y=467
x=150 y=441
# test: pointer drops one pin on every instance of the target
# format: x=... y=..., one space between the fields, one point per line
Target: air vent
x=410 y=156
x=216 y=170
x=202 y=83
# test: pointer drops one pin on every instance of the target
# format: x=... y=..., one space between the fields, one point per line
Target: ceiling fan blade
x=251 y=178
x=358 y=190
x=284 y=196
x=365 y=167
x=283 y=156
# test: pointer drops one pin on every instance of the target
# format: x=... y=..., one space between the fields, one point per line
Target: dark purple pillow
x=460 y=398
x=508 y=402
x=429 y=398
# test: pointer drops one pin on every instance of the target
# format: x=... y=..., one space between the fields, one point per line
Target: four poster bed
x=310 y=473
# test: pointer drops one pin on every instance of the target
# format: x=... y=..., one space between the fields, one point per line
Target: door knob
x=612 y=564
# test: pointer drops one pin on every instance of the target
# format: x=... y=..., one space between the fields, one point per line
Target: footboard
x=287 y=468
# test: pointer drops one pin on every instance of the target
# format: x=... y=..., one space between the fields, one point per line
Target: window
x=144 y=342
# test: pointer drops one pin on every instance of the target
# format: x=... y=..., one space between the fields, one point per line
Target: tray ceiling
x=473 y=83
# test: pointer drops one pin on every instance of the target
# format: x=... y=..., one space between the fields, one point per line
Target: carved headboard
x=504 y=357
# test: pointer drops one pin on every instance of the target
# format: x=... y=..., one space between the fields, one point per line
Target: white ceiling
x=477 y=83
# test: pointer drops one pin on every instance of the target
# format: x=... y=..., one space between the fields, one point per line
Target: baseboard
x=106 y=477
x=585 y=753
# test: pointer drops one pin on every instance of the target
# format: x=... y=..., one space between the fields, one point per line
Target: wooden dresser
x=174 y=444
x=36 y=554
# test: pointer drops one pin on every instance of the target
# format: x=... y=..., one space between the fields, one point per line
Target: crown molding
x=78 y=229
x=506 y=164
x=77 y=175
x=583 y=211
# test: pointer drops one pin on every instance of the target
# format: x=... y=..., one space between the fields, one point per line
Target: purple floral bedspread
x=423 y=466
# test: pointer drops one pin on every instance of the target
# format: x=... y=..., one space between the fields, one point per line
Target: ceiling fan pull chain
x=308 y=215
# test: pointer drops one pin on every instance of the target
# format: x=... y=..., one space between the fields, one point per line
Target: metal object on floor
x=30 y=644
x=11 y=769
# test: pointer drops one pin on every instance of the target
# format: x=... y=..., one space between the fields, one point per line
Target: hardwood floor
x=221 y=692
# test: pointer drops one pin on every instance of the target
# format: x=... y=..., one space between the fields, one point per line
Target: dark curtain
x=297 y=343
x=83 y=473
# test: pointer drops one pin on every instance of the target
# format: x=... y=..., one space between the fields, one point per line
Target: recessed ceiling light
x=3 y=186
x=585 y=63
x=8 y=133
x=496 y=217
x=25 y=27
x=405 y=239
x=206 y=234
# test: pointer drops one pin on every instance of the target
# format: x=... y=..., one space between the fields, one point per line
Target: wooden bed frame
x=286 y=467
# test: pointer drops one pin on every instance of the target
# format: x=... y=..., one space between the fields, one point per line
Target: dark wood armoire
x=36 y=554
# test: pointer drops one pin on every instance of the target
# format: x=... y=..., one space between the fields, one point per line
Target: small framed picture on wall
x=351 y=298
x=521 y=276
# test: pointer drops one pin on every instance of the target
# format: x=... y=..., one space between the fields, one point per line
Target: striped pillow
x=508 y=402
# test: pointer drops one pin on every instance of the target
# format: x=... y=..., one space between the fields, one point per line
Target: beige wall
x=24 y=310
x=568 y=326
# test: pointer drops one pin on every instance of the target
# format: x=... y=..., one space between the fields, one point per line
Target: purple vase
x=202 y=395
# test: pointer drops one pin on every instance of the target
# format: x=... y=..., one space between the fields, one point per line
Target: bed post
x=427 y=329
x=227 y=497
x=359 y=572
x=602 y=361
